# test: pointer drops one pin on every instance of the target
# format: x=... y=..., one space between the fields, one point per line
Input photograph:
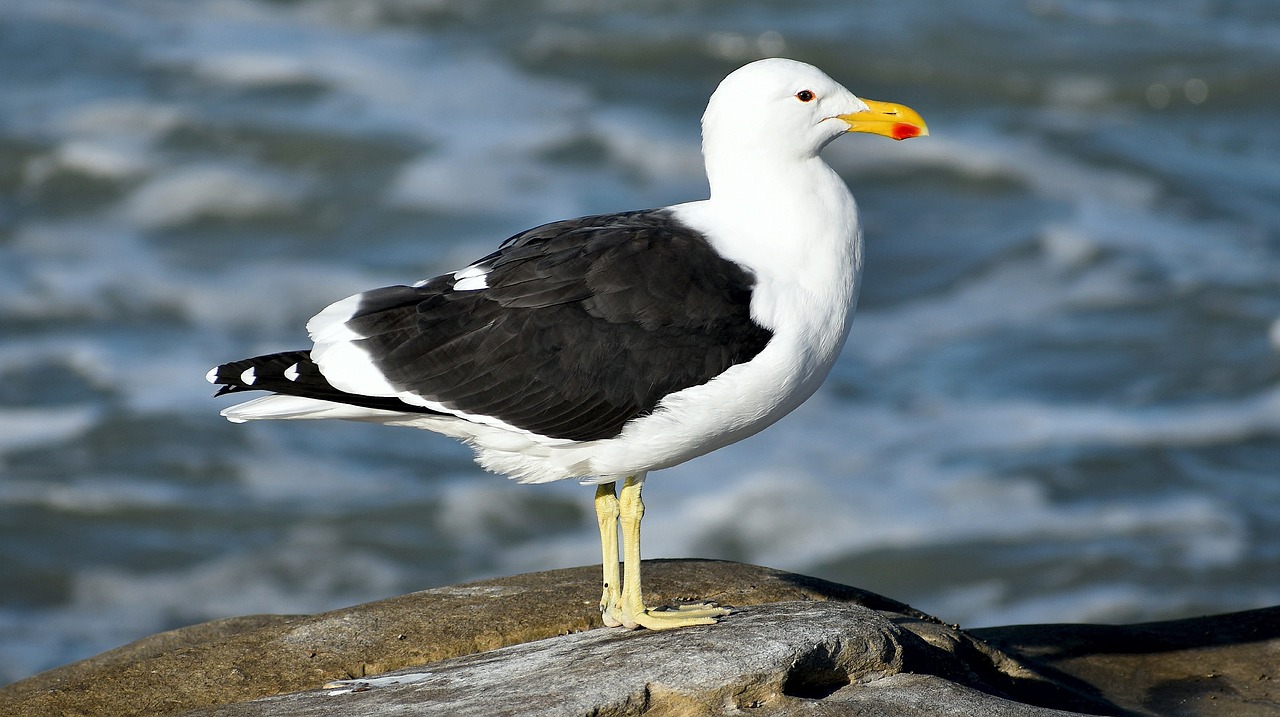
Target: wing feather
x=578 y=328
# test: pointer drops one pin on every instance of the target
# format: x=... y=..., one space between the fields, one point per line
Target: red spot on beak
x=904 y=131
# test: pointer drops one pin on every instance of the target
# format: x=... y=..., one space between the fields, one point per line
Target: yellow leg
x=607 y=517
x=633 y=612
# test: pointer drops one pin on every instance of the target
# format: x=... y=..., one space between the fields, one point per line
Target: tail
x=294 y=375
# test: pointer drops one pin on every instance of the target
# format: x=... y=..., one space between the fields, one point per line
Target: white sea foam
x=119 y=118
x=650 y=147
x=476 y=185
x=972 y=152
x=113 y=140
x=22 y=428
x=95 y=494
x=485 y=154
x=104 y=160
x=277 y=294
x=978 y=307
x=273 y=473
x=211 y=191
x=65 y=277
x=256 y=69
x=1111 y=208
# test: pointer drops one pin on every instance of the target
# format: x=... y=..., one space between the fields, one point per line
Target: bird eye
x=805 y=96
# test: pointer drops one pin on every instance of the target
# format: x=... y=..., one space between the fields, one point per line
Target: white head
x=783 y=109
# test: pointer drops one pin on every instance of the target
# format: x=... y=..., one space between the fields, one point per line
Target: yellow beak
x=888 y=119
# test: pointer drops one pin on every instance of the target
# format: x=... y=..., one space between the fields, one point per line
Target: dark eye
x=805 y=96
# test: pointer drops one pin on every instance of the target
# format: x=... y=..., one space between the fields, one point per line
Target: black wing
x=584 y=325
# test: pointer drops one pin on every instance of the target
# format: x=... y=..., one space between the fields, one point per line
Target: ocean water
x=1060 y=400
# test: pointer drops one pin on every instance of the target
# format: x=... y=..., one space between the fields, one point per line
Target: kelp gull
x=605 y=347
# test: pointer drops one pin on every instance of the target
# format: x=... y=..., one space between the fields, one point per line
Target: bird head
x=794 y=108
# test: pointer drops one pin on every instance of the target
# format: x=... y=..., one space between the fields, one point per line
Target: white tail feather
x=296 y=407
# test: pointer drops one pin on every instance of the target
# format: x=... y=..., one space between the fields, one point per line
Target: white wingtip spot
x=249 y=376
x=291 y=373
x=212 y=376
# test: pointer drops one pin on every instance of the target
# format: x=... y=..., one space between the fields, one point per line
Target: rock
x=1219 y=665
x=779 y=659
x=524 y=645
x=245 y=658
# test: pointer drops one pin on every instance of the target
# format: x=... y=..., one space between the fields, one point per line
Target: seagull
x=605 y=347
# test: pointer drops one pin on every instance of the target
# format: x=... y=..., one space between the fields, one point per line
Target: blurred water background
x=1060 y=400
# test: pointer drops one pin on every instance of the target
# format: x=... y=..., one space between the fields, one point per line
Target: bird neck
x=792 y=215
x=794 y=225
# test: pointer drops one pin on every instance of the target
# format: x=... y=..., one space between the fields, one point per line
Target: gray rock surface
x=793 y=658
x=241 y=659
x=795 y=646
